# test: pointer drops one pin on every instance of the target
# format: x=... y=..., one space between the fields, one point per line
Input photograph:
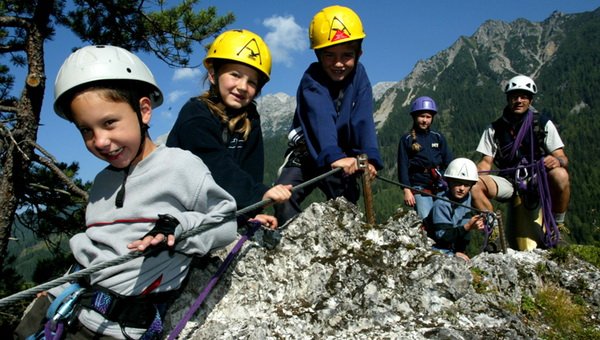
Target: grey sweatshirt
x=169 y=181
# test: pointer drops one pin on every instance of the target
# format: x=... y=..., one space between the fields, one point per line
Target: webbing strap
x=253 y=226
x=126 y=312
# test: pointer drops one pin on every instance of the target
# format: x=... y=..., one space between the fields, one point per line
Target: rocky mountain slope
x=333 y=277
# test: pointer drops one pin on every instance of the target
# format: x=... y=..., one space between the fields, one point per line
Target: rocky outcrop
x=333 y=277
x=277 y=111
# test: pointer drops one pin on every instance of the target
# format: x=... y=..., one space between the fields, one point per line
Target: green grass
x=560 y=312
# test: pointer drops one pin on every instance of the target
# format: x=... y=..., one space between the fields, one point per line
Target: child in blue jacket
x=222 y=126
x=333 y=122
x=450 y=221
x=423 y=154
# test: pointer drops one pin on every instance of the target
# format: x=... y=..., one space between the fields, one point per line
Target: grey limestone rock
x=333 y=277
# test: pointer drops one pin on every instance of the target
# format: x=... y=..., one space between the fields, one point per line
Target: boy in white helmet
x=146 y=197
x=449 y=224
x=518 y=139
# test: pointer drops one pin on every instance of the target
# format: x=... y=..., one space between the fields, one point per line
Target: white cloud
x=285 y=37
x=175 y=96
x=186 y=73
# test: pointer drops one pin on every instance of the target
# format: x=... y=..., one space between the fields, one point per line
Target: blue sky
x=399 y=33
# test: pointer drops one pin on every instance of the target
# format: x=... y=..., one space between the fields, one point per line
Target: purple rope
x=526 y=127
x=53 y=334
x=488 y=228
x=254 y=225
x=552 y=233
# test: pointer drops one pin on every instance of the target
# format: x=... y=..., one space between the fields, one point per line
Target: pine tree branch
x=71 y=186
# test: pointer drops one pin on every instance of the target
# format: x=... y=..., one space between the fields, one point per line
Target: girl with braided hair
x=423 y=154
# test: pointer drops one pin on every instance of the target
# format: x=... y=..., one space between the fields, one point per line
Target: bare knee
x=485 y=186
x=559 y=178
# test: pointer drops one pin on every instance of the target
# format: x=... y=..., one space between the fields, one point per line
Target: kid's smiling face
x=238 y=84
x=110 y=129
x=338 y=61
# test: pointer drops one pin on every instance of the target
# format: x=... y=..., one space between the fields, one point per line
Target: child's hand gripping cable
x=164 y=230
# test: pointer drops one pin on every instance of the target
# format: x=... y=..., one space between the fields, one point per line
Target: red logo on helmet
x=340 y=35
x=340 y=30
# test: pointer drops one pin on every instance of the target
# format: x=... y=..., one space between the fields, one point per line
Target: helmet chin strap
x=120 y=199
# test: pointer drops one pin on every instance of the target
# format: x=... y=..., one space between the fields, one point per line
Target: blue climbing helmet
x=423 y=103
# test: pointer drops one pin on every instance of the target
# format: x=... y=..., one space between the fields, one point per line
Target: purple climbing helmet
x=423 y=103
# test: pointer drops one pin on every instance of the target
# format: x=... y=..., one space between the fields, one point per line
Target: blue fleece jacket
x=337 y=118
x=413 y=166
x=445 y=223
x=237 y=165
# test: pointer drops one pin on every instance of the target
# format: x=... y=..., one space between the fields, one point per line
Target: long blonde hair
x=236 y=121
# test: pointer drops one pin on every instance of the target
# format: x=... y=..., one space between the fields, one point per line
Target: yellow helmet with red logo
x=334 y=25
x=242 y=46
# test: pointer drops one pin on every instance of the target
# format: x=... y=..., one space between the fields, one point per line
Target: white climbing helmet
x=102 y=62
x=462 y=169
x=521 y=82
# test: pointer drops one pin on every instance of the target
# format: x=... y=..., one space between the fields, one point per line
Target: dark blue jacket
x=445 y=223
x=414 y=167
x=236 y=165
x=334 y=129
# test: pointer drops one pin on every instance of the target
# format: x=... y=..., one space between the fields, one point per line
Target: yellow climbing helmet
x=334 y=25
x=242 y=46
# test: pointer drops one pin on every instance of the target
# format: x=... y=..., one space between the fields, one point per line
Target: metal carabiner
x=521 y=180
x=66 y=309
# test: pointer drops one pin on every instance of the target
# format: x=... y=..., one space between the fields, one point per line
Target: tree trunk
x=19 y=153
